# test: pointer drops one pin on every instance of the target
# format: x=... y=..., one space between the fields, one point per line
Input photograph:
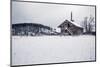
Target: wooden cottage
x=70 y=27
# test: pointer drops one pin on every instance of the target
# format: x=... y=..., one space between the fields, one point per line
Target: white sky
x=48 y=14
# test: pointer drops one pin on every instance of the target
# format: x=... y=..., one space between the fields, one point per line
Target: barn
x=70 y=28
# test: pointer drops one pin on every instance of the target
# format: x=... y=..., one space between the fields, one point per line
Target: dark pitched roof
x=74 y=23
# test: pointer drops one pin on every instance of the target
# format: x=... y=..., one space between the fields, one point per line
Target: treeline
x=31 y=29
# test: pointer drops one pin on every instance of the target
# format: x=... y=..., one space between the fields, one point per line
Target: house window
x=68 y=25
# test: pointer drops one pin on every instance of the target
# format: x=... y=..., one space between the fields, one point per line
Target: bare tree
x=90 y=24
x=85 y=24
x=89 y=28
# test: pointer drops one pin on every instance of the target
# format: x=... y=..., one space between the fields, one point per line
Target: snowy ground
x=52 y=49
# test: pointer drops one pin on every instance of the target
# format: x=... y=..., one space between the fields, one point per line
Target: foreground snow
x=52 y=49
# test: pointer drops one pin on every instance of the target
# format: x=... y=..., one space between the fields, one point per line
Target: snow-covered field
x=52 y=49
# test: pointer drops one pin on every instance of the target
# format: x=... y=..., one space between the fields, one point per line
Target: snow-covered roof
x=76 y=24
x=72 y=23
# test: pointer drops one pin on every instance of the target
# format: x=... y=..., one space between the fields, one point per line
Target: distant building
x=26 y=29
x=70 y=27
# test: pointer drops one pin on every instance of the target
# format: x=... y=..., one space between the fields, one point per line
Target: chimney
x=72 y=17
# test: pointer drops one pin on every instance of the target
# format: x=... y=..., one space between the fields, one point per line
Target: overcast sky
x=48 y=14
